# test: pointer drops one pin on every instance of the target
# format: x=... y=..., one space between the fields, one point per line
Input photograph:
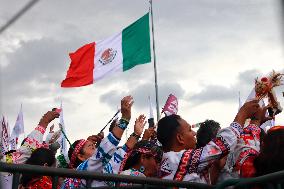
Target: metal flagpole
x=109 y=121
x=155 y=67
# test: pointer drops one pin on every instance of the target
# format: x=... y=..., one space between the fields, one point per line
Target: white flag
x=17 y=130
x=4 y=136
x=62 y=139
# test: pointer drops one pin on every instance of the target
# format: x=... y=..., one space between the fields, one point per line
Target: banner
x=171 y=106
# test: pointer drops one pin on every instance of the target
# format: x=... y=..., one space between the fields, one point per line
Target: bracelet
x=135 y=135
x=123 y=123
x=127 y=120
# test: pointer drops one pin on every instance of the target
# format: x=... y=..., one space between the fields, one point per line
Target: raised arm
x=108 y=145
x=33 y=140
x=114 y=164
x=225 y=141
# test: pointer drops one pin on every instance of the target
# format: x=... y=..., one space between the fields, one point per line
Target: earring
x=142 y=169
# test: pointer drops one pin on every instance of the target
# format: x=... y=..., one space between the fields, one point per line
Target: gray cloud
x=218 y=93
x=141 y=93
x=213 y=93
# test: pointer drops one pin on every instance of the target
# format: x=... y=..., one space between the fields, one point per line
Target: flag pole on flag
x=65 y=135
x=155 y=66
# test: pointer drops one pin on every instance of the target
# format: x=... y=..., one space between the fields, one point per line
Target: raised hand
x=260 y=116
x=96 y=138
x=149 y=133
x=247 y=111
x=126 y=104
x=139 y=124
x=47 y=118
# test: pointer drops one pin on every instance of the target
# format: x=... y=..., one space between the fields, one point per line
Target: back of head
x=166 y=131
x=41 y=157
x=206 y=132
x=271 y=154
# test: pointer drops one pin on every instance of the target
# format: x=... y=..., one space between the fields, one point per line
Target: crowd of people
x=171 y=150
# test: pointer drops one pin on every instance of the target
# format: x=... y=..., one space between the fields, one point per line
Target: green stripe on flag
x=136 y=43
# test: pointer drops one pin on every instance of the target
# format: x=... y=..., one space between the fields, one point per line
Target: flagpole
x=155 y=67
x=109 y=121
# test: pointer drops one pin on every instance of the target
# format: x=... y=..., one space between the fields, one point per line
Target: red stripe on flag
x=80 y=72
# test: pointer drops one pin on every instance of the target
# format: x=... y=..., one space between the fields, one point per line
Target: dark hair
x=132 y=160
x=206 y=132
x=134 y=157
x=70 y=152
x=40 y=157
x=167 y=129
x=271 y=156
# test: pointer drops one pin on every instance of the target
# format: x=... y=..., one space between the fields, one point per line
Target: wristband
x=123 y=123
x=135 y=135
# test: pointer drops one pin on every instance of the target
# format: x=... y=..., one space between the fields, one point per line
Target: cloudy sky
x=207 y=51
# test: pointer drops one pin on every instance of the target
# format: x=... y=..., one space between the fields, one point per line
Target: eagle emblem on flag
x=107 y=56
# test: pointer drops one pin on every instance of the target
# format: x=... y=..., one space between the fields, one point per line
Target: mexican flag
x=117 y=53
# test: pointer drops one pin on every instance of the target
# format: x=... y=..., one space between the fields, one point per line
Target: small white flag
x=17 y=130
x=4 y=136
x=62 y=139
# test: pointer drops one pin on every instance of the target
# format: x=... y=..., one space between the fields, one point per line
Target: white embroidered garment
x=189 y=165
